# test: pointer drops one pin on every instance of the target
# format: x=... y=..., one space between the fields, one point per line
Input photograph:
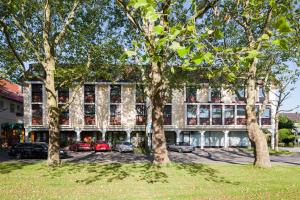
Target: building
x=203 y=117
x=11 y=112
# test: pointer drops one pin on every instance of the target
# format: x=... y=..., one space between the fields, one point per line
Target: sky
x=294 y=99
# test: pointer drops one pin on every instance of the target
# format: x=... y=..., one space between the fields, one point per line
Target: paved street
x=231 y=156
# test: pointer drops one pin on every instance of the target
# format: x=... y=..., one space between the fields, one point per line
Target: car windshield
x=126 y=143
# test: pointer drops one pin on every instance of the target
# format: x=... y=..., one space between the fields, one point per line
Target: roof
x=10 y=91
x=293 y=116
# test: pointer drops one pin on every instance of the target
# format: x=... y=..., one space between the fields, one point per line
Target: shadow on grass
x=8 y=167
x=208 y=173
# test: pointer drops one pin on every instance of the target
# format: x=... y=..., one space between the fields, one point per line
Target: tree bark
x=160 y=154
x=276 y=132
x=53 y=115
x=256 y=136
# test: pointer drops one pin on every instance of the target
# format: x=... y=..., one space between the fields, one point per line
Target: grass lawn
x=143 y=181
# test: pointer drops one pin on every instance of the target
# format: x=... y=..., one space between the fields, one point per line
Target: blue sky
x=294 y=98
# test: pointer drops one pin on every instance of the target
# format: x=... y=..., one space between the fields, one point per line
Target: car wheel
x=18 y=156
x=180 y=150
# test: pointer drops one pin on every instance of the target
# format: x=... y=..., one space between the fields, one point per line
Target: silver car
x=181 y=147
x=124 y=147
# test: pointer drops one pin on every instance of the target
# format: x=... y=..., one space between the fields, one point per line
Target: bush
x=286 y=136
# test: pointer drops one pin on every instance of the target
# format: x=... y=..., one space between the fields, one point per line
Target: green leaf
x=175 y=46
x=130 y=53
x=140 y=3
x=158 y=29
x=208 y=57
x=252 y=54
x=282 y=25
x=265 y=37
x=183 y=51
x=283 y=43
x=197 y=59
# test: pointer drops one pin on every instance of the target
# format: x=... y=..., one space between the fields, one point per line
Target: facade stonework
x=202 y=117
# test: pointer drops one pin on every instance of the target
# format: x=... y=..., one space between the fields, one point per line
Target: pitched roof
x=10 y=91
x=293 y=116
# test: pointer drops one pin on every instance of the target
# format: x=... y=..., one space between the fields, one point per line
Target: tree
x=252 y=31
x=54 y=35
x=285 y=84
x=162 y=41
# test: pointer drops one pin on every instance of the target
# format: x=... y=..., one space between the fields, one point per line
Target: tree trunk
x=276 y=131
x=256 y=136
x=160 y=155
x=53 y=115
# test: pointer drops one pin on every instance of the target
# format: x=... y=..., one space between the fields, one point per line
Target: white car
x=124 y=147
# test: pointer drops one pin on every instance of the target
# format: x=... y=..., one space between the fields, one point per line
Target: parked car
x=124 y=147
x=31 y=150
x=101 y=145
x=81 y=146
x=181 y=147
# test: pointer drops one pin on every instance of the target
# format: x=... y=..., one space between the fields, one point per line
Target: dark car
x=181 y=147
x=31 y=150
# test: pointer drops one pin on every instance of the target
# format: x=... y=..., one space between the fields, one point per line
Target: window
x=37 y=114
x=215 y=95
x=261 y=94
x=115 y=114
x=266 y=116
x=216 y=115
x=63 y=98
x=167 y=115
x=12 y=108
x=241 y=114
x=115 y=105
x=229 y=114
x=37 y=93
x=89 y=104
x=191 y=94
x=18 y=108
x=37 y=104
x=204 y=115
x=89 y=94
x=140 y=114
x=115 y=94
x=139 y=94
x=191 y=114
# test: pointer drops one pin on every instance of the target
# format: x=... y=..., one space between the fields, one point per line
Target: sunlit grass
x=143 y=181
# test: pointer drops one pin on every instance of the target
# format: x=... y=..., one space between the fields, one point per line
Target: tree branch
x=68 y=21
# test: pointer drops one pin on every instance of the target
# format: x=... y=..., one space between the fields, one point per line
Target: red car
x=101 y=146
x=81 y=146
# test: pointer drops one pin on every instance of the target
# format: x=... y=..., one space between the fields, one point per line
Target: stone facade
x=121 y=117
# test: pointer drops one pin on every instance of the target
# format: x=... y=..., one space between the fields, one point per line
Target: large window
x=191 y=114
x=204 y=115
x=89 y=105
x=37 y=104
x=241 y=115
x=140 y=114
x=140 y=94
x=115 y=94
x=229 y=114
x=261 y=94
x=12 y=107
x=167 y=115
x=215 y=95
x=63 y=98
x=266 y=116
x=191 y=94
x=216 y=115
x=115 y=114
